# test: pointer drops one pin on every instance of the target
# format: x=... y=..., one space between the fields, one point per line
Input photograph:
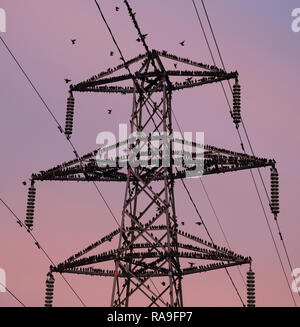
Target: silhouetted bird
x=182 y=223
x=175 y=65
x=67 y=80
x=138 y=40
x=189 y=79
x=73 y=41
x=117 y=8
x=198 y=223
x=144 y=36
x=109 y=111
x=111 y=53
x=24 y=183
x=163 y=283
x=182 y=43
x=191 y=264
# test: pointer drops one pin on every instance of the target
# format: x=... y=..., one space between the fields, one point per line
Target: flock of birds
x=142 y=38
x=73 y=41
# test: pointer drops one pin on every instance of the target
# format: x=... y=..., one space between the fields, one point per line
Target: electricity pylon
x=149 y=245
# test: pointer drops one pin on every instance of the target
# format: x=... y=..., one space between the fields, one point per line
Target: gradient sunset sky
x=255 y=38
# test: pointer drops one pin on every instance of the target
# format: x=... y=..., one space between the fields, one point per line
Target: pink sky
x=255 y=39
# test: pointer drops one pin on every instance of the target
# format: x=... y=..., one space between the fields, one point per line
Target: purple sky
x=255 y=39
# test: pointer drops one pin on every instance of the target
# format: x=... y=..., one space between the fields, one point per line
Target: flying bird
x=198 y=223
x=111 y=53
x=182 y=223
x=182 y=43
x=163 y=283
x=191 y=264
x=67 y=80
x=189 y=79
x=24 y=183
x=117 y=8
x=175 y=65
x=109 y=111
x=73 y=41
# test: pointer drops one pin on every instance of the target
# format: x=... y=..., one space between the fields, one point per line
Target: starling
x=182 y=43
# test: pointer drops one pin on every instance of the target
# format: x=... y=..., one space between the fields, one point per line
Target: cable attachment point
x=236 y=114
x=69 y=116
x=30 y=206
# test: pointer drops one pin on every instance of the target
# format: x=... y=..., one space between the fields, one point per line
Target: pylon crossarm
x=215 y=161
x=106 y=238
x=144 y=76
x=176 y=87
x=194 y=270
x=109 y=237
x=209 y=256
x=187 y=61
x=111 y=70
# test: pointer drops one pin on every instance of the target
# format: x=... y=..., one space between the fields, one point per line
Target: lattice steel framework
x=149 y=243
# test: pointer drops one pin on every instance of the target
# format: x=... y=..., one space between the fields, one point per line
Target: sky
x=255 y=38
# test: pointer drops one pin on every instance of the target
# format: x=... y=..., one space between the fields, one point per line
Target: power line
x=211 y=239
x=219 y=223
x=52 y=115
x=13 y=295
x=201 y=219
x=38 y=244
x=249 y=143
x=211 y=54
x=130 y=74
x=147 y=49
x=55 y=119
x=114 y=40
x=244 y=128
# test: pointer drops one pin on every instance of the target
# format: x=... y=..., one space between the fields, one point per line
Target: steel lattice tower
x=149 y=243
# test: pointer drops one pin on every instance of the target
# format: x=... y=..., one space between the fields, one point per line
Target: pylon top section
x=150 y=70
